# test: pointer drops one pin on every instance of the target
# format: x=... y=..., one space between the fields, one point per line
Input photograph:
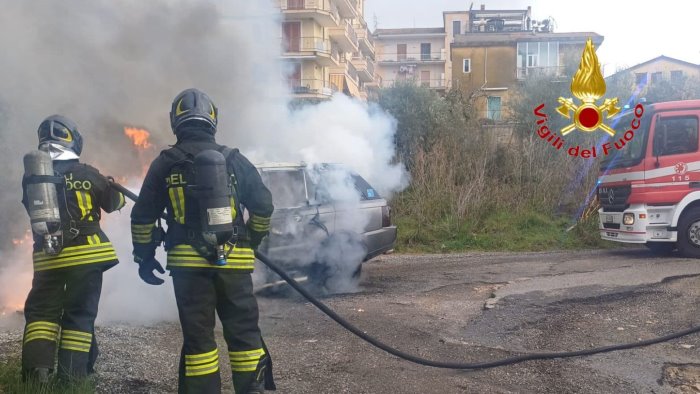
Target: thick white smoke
x=108 y=64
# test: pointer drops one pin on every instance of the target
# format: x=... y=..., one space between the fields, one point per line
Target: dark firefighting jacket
x=165 y=187
x=81 y=198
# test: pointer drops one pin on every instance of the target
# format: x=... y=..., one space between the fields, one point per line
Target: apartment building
x=485 y=53
x=419 y=55
x=661 y=68
x=489 y=66
x=328 y=47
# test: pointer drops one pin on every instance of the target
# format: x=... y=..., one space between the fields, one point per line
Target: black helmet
x=193 y=105
x=60 y=130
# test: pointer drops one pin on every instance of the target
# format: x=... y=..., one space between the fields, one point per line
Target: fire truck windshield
x=625 y=153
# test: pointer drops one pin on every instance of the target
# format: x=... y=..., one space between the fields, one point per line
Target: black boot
x=38 y=375
x=256 y=388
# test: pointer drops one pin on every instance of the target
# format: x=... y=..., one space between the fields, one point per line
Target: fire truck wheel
x=689 y=233
x=661 y=248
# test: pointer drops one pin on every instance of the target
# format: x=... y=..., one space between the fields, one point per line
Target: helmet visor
x=54 y=131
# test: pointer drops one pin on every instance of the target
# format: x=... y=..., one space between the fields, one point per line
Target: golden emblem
x=588 y=86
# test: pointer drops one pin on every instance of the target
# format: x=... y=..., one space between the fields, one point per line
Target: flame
x=588 y=84
x=139 y=137
x=20 y=241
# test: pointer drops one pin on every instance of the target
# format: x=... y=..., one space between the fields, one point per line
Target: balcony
x=315 y=48
x=347 y=8
x=365 y=68
x=310 y=88
x=437 y=84
x=364 y=38
x=345 y=36
x=345 y=78
x=556 y=72
x=432 y=57
x=324 y=12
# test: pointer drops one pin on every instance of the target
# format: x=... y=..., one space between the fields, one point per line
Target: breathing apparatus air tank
x=42 y=200
x=213 y=189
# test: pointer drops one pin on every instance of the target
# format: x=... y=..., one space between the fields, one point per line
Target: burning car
x=328 y=220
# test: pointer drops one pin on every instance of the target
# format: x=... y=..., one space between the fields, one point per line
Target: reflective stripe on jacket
x=95 y=253
x=184 y=256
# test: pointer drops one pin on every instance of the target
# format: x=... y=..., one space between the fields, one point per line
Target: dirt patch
x=684 y=378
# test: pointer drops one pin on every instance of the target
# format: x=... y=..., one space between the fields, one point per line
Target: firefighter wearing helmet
x=64 y=199
x=203 y=186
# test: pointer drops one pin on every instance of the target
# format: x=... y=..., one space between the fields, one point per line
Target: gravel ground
x=467 y=307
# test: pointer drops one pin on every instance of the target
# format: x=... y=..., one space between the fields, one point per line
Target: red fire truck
x=649 y=191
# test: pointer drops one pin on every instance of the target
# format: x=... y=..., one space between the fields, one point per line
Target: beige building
x=328 y=48
x=662 y=68
x=488 y=66
x=416 y=54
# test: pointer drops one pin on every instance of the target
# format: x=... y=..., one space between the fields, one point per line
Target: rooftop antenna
x=471 y=5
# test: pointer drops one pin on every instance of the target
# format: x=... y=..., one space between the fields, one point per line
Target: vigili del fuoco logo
x=588 y=86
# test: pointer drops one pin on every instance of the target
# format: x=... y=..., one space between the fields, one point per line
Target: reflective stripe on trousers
x=78 y=341
x=202 y=364
x=245 y=361
x=41 y=330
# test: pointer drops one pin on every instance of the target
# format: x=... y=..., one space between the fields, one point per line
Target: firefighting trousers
x=200 y=293
x=60 y=314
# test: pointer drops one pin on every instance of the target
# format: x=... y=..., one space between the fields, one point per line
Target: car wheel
x=661 y=248
x=338 y=263
x=689 y=233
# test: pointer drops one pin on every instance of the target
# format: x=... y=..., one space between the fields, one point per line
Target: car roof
x=293 y=165
x=280 y=165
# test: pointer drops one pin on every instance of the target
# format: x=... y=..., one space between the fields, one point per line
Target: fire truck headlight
x=628 y=219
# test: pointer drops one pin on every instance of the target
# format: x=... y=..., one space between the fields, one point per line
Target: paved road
x=468 y=307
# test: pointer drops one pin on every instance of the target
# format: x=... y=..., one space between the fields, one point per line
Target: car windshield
x=633 y=151
x=287 y=186
x=332 y=182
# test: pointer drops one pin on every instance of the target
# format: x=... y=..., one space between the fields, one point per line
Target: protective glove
x=256 y=238
x=146 y=267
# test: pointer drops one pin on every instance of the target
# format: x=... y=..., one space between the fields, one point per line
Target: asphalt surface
x=467 y=307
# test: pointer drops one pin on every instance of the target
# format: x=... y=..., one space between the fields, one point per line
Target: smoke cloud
x=108 y=65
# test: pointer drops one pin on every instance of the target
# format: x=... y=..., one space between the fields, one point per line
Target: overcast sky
x=635 y=31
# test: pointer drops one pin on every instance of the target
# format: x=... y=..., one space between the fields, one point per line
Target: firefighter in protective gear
x=204 y=284
x=62 y=305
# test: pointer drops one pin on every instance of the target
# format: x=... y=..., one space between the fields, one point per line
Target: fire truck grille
x=614 y=198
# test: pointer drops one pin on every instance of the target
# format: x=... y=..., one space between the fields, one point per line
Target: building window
x=425 y=51
x=676 y=75
x=540 y=57
x=656 y=77
x=640 y=78
x=425 y=78
x=466 y=66
x=456 y=28
x=401 y=52
x=493 y=108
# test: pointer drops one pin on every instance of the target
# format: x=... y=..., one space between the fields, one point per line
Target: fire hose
x=444 y=364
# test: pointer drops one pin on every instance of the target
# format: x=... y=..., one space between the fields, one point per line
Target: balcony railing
x=363 y=35
x=306 y=44
x=428 y=83
x=327 y=7
x=364 y=62
x=310 y=86
x=550 y=71
x=411 y=57
x=352 y=72
x=348 y=8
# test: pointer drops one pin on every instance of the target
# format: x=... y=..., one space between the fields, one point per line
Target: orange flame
x=20 y=241
x=588 y=84
x=139 y=137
